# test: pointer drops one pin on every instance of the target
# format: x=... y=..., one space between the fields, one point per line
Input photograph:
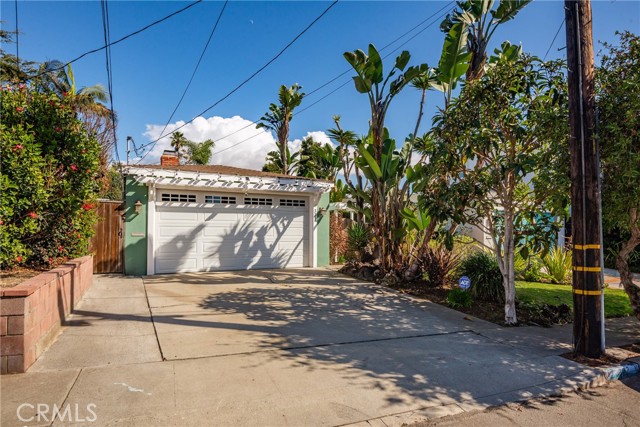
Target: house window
x=220 y=200
x=169 y=197
x=258 y=201
x=298 y=203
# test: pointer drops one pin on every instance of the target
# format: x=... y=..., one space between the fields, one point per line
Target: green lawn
x=616 y=301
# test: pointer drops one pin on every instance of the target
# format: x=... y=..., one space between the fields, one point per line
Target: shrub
x=486 y=279
x=459 y=298
x=48 y=184
x=528 y=269
x=358 y=238
x=438 y=263
x=557 y=266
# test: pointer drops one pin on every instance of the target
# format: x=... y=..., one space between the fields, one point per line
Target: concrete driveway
x=294 y=347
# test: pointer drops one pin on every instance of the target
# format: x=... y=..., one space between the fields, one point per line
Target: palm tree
x=179 y=142
x=278 y=118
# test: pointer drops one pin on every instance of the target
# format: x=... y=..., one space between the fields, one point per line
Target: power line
x=120 y=39
x=328 y=82
x=335 y=78
x=554 y=39
x=437 y=13
x=247 y=79
x=197 y=65
x=107 y=37
x=386 y=46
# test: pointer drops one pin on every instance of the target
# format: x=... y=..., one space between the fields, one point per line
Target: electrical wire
x=107 y=37
x=284 y=49
x=438 y=12
x=554 y=39
x=146 y=27
x=195 y=70
x=386 y=46
x=335 y=78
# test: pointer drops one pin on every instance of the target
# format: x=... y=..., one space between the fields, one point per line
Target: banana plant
x=381 y=164
x=481 y=20
x=370 y=80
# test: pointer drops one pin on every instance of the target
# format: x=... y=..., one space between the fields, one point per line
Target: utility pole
x=588 y=322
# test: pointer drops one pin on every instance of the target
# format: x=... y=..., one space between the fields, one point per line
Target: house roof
x=225 y=170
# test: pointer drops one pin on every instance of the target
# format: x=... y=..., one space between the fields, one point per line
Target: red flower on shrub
x=84 y=151
x=88 y=206
x=1 y=222
x=57 y=129
x=60 y=248
x=73 y=167
x=19 y=109
x=33 y=215
x=17 y=147
x=19 y=258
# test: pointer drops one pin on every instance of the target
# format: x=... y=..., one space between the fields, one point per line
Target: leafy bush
x=557 y=266
x=358 y=238
x=527 y=269
x=458 y=298
x=438 y=263
x=486 y=279
x=48 y=184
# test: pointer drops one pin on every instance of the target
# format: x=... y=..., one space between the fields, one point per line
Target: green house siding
x=135 y=229
x=322 y=221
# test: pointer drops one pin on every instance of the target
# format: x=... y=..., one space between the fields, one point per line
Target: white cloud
x=318 y=136
x=242 y=145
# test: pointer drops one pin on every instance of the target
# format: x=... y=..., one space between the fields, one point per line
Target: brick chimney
x=169 y=158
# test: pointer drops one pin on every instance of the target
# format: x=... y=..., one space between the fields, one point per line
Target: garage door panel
x=171 y=248
x=177 y=231
x=179 y=215
x=222 y=217
x=201 y=238
x=174 y=265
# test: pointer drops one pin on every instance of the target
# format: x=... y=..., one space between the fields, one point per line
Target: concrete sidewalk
x=307 y=347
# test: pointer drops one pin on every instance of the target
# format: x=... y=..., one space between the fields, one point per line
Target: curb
x=626 y=369
x=600 y=377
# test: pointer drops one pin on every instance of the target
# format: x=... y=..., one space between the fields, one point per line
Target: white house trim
x=202 y=180
x=151 y=227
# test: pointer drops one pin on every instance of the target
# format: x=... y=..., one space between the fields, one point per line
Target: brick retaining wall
x=32 y=313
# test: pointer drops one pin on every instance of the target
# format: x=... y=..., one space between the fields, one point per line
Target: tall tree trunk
x=622 y=264
x=509 y=283
x=505 y=255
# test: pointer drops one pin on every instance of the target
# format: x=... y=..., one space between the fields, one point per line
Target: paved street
x=294 y=347
x=615 y=405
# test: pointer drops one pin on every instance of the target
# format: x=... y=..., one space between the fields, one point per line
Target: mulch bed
x=528 y=314
x=611 y=356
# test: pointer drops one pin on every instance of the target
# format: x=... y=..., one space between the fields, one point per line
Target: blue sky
x=150 y=70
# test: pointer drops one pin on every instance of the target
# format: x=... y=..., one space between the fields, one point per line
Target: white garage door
x=216 y=231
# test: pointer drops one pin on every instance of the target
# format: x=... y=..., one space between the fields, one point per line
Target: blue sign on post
x=465 y=283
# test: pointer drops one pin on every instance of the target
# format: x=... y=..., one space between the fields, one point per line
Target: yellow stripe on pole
x=586 y=292
x=585 y=247
x=589 y=269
